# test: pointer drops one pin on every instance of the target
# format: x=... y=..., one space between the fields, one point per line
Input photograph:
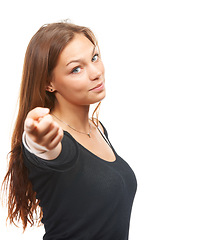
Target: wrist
x=39 y=150
x=31 y=146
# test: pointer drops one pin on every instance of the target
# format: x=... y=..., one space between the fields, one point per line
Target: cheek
x=73 y=85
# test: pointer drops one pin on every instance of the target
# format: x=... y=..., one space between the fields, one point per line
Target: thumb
x=29 y=125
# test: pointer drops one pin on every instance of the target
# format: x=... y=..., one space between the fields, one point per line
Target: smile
x=98 y=87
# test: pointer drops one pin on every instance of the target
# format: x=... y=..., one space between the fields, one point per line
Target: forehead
x=79 y=47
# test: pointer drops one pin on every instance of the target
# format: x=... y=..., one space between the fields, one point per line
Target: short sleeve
x=62 y=163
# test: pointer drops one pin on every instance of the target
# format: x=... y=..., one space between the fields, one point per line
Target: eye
x=76 y=70
x=95 y=57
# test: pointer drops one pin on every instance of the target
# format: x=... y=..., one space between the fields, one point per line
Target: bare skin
x=78 y=81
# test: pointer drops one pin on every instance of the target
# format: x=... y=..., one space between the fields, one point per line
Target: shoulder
x=103 y=129
x=98 y=124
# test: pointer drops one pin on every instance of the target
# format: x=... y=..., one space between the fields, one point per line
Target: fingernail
x=45 y=111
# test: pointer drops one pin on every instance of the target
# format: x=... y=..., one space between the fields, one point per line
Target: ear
x=50 y=88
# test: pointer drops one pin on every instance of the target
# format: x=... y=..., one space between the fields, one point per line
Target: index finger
x=38 y=112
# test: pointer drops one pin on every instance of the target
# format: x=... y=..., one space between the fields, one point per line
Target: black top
x=83 y=197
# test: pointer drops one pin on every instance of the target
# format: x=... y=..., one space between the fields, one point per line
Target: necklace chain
x=88 y=134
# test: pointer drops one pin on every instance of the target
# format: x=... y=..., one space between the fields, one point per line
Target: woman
x=63 y=167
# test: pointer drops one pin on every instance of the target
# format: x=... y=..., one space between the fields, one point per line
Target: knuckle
x=61 y=133
x=50 y=147
x=48 y=120
x=55 y=125
x=49 y=117
x=41 y=142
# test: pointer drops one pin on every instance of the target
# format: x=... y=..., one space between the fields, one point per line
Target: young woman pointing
x=62 y=166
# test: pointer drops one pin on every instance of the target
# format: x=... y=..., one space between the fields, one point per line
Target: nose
x=94 y=72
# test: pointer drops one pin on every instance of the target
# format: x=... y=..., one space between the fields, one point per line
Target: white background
x=155 y=55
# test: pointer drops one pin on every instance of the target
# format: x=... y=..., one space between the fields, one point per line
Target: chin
x=99 y=97
x=94 y=99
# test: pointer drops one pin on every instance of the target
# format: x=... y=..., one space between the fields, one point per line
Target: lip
x=99 y=87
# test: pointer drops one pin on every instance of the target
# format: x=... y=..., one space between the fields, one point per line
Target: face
x=78 y=77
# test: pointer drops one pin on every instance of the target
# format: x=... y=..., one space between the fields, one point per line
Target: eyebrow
x=80 y=59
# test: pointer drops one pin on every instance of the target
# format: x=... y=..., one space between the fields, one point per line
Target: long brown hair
x=40 y=59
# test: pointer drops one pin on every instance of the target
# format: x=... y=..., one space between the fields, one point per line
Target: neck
x=77 y=116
